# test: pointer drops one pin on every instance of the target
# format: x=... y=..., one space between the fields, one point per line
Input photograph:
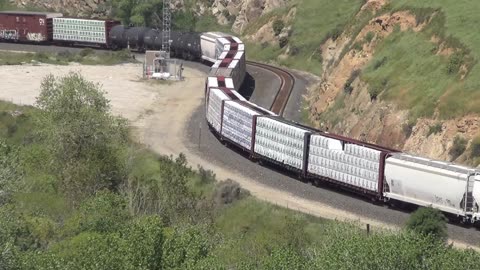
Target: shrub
x=11 y=129
x=428 y=221
x=423 y=14
x=86 y=52
x=228 y=191
x=282 y=42
x=437 y=128
x=369 y=37
x=348 y=88
x=66 y=56
x=455 y=62
x=357 y=46
x=206 y=176
x=408 y=128
x=278 y=26
x=458 y=147
x=334 y=33
x=374 y=92
x=317 y=55
x=475 y=148
x=379 y=63
x=294 y=50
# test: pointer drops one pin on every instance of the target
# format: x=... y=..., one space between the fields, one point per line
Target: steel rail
x=287 y=81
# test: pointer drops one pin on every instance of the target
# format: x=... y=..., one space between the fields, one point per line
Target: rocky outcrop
x=84 y=8
x=241 y=12
x=356 y=114
x=238 y=13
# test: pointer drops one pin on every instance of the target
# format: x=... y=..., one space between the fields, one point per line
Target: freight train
x=381 y=174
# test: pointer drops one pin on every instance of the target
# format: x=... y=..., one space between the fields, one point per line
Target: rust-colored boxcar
x=27 y=26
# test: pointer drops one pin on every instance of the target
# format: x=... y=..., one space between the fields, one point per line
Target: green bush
x=374 y=92
x=458 y=147
x=357 y=46
x=206 y=176
x=278 y=26
x=437 y=128
x=475 y=147
x=86 y=52
x=348 y=88
x=282 y=42
x=103 y=213
x=229 y=191
x=408 y=128
x=334 y=33
x=379 y=63
x=369 y=37
x=428 y=221
x=455 y=62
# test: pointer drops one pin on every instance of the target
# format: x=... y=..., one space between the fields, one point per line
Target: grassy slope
x=248 y=222
x=414 y=71
x=315 y=21
x=412 y=75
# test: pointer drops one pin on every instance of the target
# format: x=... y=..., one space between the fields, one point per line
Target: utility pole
x=167 y=23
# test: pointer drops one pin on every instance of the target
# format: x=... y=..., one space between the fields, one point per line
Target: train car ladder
x=468 y=197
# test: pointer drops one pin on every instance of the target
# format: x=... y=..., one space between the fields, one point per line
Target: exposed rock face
x=242 y=12
x=83 y=8
x=378 y=121
x=238 y=13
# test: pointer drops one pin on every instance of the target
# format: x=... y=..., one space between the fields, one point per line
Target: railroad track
x=287 y=81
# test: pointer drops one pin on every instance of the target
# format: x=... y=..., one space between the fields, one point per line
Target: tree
x=286 y=258
x=138 y=12
x=105 y=212
x=87 y=143
x=428 y=221
x=10 y=169
x=185 y=248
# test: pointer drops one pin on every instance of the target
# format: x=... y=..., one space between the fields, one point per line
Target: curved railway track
x=287 y=81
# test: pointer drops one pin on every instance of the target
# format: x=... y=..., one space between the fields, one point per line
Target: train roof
x=32 y=13
x=254 y=107
x=434 y=163
x=88 y=19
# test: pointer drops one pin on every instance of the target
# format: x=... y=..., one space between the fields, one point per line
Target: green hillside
x=77 y=193
x=405 y=64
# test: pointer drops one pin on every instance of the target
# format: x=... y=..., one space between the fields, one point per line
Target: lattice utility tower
x=167 y=23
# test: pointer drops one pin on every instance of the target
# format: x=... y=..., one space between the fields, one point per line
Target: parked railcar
x=86 y=32
x=25 y=26
x=451 y=188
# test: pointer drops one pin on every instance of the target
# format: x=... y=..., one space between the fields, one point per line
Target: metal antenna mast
x=167 y=23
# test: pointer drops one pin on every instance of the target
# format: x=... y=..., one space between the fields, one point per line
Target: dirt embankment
x=360 y=116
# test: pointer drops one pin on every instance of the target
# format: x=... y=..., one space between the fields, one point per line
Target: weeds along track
x=287 y=81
